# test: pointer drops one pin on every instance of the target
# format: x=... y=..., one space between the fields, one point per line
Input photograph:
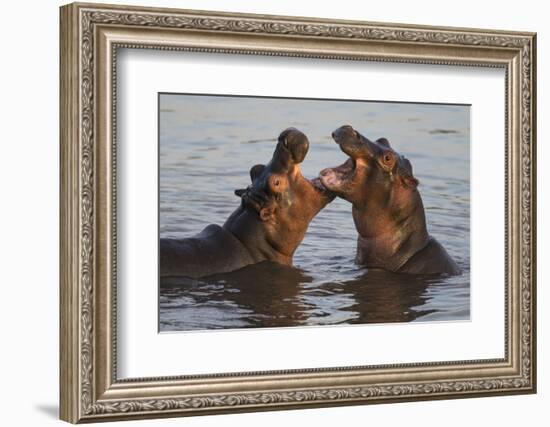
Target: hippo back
x=432 y=259
x=212 y=251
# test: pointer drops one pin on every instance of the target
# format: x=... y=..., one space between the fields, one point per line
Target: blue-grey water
x=209 y=143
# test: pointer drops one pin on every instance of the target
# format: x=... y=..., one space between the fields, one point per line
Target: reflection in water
x=383 y=297
x=275 y=301
x=272 y=295
x=207 y=146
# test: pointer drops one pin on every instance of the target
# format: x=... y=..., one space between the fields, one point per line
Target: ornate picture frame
x=90 y=37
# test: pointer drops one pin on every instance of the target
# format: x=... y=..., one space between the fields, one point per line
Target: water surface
x=209 y=143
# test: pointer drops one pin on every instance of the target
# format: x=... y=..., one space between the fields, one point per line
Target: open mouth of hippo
x=338 y=178
x=319 y=186
x=257 y=200
x=278 y=182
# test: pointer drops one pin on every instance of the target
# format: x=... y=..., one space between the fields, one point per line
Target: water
x=207 y=146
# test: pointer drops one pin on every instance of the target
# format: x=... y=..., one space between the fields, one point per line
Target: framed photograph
x=267 y=212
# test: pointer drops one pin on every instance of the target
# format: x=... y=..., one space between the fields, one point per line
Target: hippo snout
x=353 y=143
x=296 y=143
x=345 y=133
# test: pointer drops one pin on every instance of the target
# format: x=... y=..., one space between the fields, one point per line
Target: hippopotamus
x=268 y=225
x=387 y=207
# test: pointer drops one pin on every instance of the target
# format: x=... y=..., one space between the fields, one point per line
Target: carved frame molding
x=90 y=37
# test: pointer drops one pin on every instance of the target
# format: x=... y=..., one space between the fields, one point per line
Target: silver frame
x=90 y=37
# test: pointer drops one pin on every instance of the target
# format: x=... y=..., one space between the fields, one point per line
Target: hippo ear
x=383 y=141
x=410 y=181
x=267 y=213
x=239 y=192
x=405 y=171
x=255 y=171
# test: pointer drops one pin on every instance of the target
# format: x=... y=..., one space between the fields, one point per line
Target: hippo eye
x=276 y=184
x=388 y=158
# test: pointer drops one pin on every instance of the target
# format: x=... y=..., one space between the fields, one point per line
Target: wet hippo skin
x=387 y=207
x=269 y=224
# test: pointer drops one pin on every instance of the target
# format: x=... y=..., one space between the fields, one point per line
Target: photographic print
x=277 y=212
